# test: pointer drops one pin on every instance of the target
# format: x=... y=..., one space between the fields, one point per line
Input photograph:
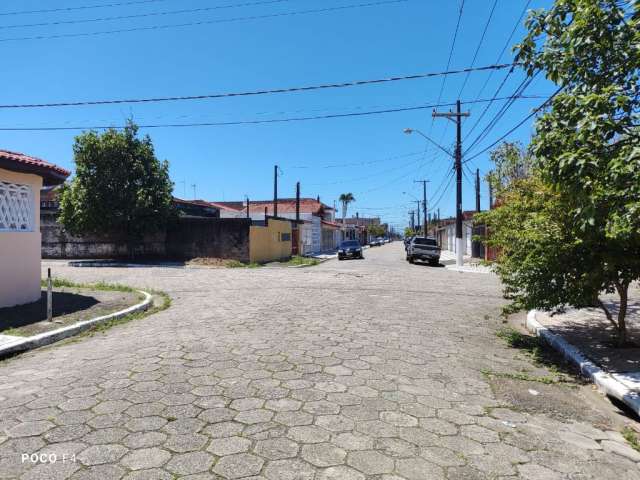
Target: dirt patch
x=70 y=305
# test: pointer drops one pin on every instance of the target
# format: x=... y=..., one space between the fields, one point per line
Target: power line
x=85 y=7
x=475 y=54
x=504 y=49
x=230 y=123
x=451 y=50
x=203 y=22
x=355 y=83
x=517 y=126
x=141 y=15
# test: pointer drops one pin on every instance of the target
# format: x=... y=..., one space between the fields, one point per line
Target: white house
x=21 y=178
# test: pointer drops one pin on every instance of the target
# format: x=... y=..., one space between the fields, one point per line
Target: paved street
x=364 y=369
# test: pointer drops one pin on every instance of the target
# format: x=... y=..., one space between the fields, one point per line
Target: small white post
x=49 y=297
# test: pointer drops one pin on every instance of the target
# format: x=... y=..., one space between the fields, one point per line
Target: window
x=285 y=237
x=16 y=208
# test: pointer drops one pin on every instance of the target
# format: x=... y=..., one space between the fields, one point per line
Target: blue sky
x=377 y=161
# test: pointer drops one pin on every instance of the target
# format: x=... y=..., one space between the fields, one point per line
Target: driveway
x=362 y=369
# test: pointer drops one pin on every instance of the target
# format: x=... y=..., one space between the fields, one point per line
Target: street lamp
x=409 y=131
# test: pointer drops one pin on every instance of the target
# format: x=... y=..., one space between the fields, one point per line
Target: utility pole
x=477 y=189
x=248 y=215
x=456 y=117
x=297 y=203
x=413 y=224
x=490 y=195
x=417 y=225
x=275 y=190
x=193 y=185
x=424 y=203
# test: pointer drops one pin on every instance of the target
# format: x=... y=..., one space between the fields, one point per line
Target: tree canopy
x=119 y=187
x=572 y=229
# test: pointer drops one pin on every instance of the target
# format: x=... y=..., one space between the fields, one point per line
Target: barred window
x=16 y=207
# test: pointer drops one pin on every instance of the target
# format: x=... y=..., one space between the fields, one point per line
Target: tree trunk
x=623 y=292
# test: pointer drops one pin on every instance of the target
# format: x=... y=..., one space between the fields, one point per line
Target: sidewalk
x=587 y=338
x=470 y=265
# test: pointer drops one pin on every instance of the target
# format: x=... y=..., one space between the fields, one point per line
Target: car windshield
x=350 y=244
x=425 y=241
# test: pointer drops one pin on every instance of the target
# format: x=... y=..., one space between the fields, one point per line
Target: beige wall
x=266 y=244
x=20 y=251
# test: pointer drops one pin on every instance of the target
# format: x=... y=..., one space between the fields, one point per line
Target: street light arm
x=409 y=131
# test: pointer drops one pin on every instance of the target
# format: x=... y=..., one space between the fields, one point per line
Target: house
x=21 y=179
x=445 y=233
x=318 y=230
x=357 y=228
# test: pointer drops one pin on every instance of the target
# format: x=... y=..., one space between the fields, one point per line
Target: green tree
x=409 y=232
x=376 y=230
x=511 y=162
x=345 y=199
x=119 y=187
x=587 y=163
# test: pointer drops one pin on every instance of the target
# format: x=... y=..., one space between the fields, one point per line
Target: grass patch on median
x=631 y=436
x=547 y=380
x=298 y=261
x=239 y=264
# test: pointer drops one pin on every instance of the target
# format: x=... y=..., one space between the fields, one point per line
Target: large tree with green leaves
x=119 y=187
x=587 y=163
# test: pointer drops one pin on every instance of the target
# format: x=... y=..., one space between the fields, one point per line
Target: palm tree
x=346 y=199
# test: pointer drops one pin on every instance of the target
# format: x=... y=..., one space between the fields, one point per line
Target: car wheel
x=411 y=260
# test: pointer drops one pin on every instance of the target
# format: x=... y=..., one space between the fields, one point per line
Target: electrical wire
x=518 y=125
x=85 y=7
x=203 y=22
x=475 y=54
x=306 y=88
x=142 y=15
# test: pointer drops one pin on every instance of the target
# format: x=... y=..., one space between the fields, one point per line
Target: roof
x=19 y=162
x=329 y=224
x=285 y=205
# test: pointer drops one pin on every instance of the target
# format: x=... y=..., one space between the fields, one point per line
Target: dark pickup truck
x=424 y=249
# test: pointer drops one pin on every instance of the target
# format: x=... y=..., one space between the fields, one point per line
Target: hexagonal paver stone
x=144 y=439
x=353 y=441
x=29 y=429
x=340 y=473
x=214 y=415
x=254 y=416
x=67 y=433
x=321 y=407
x=182 y=426
x=335 y=423
x=370 y=462
x=238 y=466
x=105 y=435
x=190 y=463
x=283 y=405
x=189 y=442
x=398 y=419
x=276 y=448
x=99 y=454
x=145 y=458
x=145 y=424
x=308 y=434
x=151 y=474
x=419 y=469
x=55 y=471
x=229 y=446
x=292 y=419
x=112 y=406
x=223 y=429
x=100 y=472
x=293 y=469
x=247 y=404
x=323 y=454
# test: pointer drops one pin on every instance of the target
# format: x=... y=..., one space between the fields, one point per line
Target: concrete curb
x=604 y=381
x=23 y=344
x=98 y=263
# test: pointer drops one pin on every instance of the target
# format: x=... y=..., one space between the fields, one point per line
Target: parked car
x=350 y=249
x=375 y=242
x=407 y=241
x=423 y=249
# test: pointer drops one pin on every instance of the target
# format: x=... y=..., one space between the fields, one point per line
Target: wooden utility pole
x=456 y=117
x=275 y=190
x=297 y=203
x=477 y=189
x=424 y=203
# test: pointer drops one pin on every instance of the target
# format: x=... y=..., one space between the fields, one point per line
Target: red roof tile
x=19 y=162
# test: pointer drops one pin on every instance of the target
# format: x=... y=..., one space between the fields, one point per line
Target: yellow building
x=271 y=242
x=21 y=178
